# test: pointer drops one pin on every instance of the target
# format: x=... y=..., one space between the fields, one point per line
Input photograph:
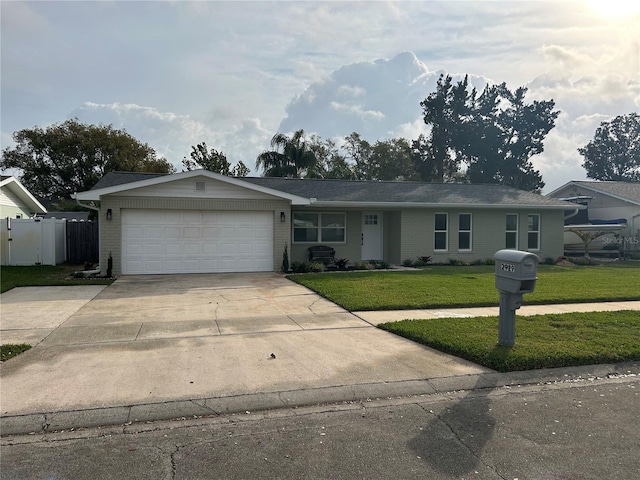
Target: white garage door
x=186 y=241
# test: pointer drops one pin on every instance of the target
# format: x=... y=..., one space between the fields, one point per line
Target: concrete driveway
x=157 y=339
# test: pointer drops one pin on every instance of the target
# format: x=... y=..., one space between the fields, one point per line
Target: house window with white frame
x=319 y=227
x=533 y=232
x=511 y=231
x=441 y=232
x=464 y=232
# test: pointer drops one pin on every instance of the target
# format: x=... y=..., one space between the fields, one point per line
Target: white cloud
x=376 y=99
x=172 y=135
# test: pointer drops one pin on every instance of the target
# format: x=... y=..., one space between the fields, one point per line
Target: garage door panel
x=210 y=249
x=227 y=248
x=192 y=249
x=172 y=232
x=172 y=248
x=156 y=241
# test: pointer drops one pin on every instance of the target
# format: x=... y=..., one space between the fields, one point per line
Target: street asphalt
x=151 y=348
x=582 y=426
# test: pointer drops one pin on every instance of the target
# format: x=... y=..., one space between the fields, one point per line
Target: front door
x=371 y=236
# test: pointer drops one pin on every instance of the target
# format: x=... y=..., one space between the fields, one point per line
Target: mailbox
x=515 y=275
x=516 y=271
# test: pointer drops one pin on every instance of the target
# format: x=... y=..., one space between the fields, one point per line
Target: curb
x=44 y=422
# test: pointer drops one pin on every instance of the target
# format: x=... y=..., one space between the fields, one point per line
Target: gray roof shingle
x=404 y=192
x=349 y=191
x=112 y=179
x=628 y=190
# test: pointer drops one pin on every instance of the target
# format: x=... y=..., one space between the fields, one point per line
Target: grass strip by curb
x=542 y=341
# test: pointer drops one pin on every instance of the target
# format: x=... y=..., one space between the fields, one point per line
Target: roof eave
x=23 y=194
x=578 y=183
x=97 y=194
x=343 y=204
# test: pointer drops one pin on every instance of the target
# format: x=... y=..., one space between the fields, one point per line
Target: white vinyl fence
x=33 y=241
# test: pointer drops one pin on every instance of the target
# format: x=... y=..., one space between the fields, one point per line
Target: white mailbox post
x=515 y=274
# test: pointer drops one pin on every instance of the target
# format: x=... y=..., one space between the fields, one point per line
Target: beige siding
x=488 y=233
x=110 y=231
x=186 y=188
x=11 y=205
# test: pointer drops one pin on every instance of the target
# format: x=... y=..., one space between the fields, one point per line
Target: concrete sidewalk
x=162 y=347
x=377 y=317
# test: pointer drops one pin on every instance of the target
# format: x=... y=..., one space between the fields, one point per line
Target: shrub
x=490 y=261
x=285 y=260
x=549 y=261
x=315 y=267
x=407 y=262
x=341 y=263
x=363 y=266
x=300 y=267
x=424 y=258
x=458 y=262
x=477 y=262
x=379 y=264
x=419 y=263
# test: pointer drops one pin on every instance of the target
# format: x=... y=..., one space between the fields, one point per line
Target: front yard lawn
x=44 y=275
x=449 y=286
x=11 y=350
x=542 y=341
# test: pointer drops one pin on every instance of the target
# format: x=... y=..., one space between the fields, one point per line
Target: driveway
x=154 y=339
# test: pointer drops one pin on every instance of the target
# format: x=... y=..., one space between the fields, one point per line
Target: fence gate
x=82 y=242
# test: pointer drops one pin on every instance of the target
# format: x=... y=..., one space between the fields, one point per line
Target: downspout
x=575 y=212
x=92 y=207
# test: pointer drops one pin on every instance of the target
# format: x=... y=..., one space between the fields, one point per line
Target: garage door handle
x=361 y=239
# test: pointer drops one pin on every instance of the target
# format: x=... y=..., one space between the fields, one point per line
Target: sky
x=232 y=74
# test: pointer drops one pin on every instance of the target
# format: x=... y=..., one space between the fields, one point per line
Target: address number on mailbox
x=507 y=267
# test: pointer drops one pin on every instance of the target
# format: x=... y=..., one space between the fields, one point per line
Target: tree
x=614 y=152
x=290 y=157
x=390 y=159
x=493 y=134
x=506 y=133
x=71 y=157
x=214 y=161
x=446 y=111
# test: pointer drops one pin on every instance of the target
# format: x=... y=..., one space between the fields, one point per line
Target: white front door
x=371 y=236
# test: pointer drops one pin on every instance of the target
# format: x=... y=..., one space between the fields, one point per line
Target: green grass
x=447 y=286
x=542 y=341
x=10 y=350
x=43 y=275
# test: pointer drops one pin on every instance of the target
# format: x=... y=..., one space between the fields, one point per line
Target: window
x=440 y=232
x=200 y=186
x=511 y=235
x=319 y=227
x=371 y=219
x=464 y=231
x=533 y=232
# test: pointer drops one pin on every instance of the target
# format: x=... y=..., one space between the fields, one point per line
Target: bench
x=322 y=254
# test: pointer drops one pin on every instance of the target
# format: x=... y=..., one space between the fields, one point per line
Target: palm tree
x=290 y=157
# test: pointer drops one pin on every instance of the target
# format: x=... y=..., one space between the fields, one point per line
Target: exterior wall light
x=283 y=217
x=109 y=214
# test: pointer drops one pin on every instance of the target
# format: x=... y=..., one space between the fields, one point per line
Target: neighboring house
x=16 y=201
x=199 y=221
x=610 y=206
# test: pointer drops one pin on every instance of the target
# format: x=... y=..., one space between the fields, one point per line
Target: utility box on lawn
x=515 y=274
